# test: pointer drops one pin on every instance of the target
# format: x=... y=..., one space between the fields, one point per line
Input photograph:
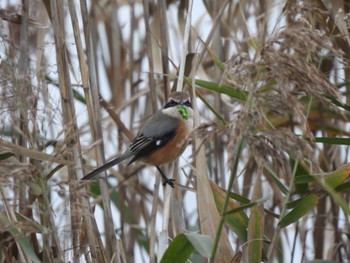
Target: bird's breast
x=172 y=149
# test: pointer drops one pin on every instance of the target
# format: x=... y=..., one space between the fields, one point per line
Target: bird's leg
x=166 y=179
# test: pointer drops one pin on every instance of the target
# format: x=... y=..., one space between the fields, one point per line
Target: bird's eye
x=188 y=103
x=170 y=103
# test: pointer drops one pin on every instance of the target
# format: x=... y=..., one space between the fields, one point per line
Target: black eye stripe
x=170 y=103
x=173 y=103
x=188 y=103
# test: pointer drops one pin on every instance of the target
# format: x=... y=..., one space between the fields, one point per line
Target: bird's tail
x=104 y=167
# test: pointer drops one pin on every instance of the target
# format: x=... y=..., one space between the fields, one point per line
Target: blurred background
x=265 y=176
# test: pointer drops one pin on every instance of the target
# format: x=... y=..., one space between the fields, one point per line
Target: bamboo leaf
x=202 y=243
x=237 y=221
x=230 y=91
x=332 y=140
x=337 y=177
x=303 y=179
x=21 y=239
x=256 y=227
x=6 y=155
x=184 y=245
x=30 y=225
x=304 y=205
x=332 y=181
x=322 y=261
x=343 y=187
x=179 y=250
x=216 y=60
x=338 y=103
x=276 y=179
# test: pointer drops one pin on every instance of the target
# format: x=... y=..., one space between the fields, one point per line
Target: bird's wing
x=157 y=131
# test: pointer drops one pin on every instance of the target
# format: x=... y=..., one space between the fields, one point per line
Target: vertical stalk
x=85 y=81
x=276 y=234
x=149 y=53
x=224 y=208
x=69 y=120
x=96 y=128
x=164 y=46
x=23 y=89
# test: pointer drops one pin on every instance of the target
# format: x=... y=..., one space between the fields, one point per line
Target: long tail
x=104 y=167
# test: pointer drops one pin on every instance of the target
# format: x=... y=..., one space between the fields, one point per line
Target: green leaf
x=183 y=111
x=31 y=225
x=276 y=179
x=216 y=60
x=237 y=220
x=343 y=187
x=246 y=203
x=331 y=189
x=302 y=178
x=337 y=177
x=332 y=140
x=322 y=261
x=256 y=226
x=239 y=198
x=255 y=234
x=6 y=155
x=76 y=93
x=78 y=96
x=203 y=244
x=212 y=109
x=179 y=250
x=184 y=245
x=230 y=91
x=304 y=205
x=21 y=239
x=338 y=103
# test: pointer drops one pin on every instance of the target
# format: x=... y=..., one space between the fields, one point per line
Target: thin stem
x=283 y=212
x=224 y=209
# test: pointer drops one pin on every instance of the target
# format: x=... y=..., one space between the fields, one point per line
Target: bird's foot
x=169 y=182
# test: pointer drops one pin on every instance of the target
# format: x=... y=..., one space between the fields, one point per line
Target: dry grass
x=77 y=81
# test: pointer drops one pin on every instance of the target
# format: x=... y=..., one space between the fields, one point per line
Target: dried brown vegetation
x=266 y=176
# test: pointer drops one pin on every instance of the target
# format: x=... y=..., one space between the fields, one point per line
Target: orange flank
x=172 y=149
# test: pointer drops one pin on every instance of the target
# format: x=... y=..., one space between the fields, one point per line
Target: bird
x=162 y=139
